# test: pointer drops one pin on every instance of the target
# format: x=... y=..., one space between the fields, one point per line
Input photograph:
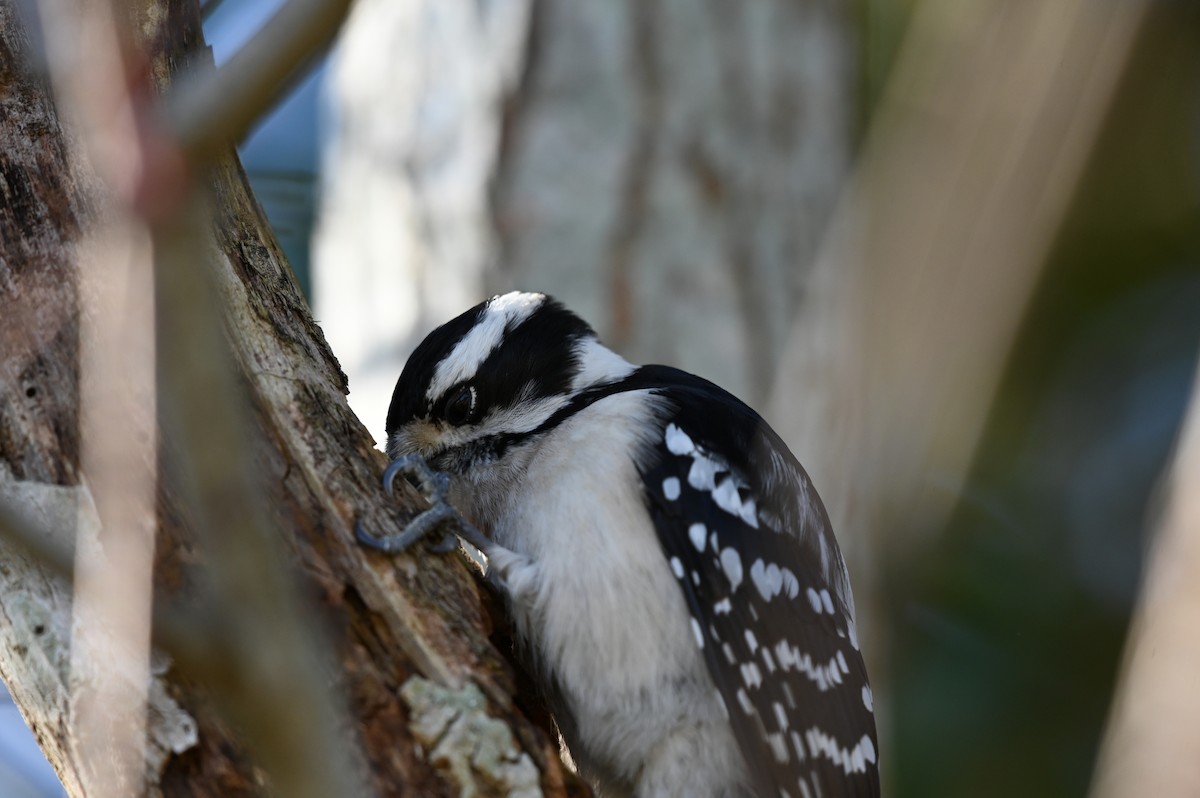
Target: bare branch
x=1154 y=729
x=210 y=110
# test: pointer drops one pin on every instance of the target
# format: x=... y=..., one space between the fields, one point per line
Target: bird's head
x=475 y=392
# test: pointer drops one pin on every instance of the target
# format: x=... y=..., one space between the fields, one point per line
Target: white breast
x=608 y=618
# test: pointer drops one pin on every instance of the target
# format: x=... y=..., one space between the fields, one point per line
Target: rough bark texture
x=666 y=169
x=431 y=701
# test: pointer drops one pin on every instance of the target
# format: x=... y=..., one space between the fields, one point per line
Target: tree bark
x=431 y=703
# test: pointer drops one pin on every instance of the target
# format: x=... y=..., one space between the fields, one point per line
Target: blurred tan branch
x=971 y=163
x=213 y=109
x=275 y=683
x=1152 y=744
x=277 y=688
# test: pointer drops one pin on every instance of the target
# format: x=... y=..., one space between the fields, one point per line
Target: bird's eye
x=460 y=406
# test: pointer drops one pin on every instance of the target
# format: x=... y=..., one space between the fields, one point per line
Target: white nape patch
x=678 y=441
x=671 y=488
x=751 y=641
x=827 y=601
x=598 y=364
x=814 y=599
x=677 y=567
x=469 y=353
x=727 y=498
x=731 y=563
x=868 y=698
x=723 y=607
x=698 y=633
x=697 y=533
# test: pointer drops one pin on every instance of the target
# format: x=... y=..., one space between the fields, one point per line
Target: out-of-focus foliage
x=1008 y=628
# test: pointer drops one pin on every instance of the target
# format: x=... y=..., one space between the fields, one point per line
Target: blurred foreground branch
x=1152 y=745
x=257 y=441
x=971 y=163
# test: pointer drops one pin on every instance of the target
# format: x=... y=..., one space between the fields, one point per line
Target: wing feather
x=759 y=568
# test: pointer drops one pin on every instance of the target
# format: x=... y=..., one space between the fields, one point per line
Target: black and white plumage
x=669 y=569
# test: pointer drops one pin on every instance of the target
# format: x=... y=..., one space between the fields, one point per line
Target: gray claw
x=434 y=486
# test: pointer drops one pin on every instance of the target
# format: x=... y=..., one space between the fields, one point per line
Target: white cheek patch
x=483 y=339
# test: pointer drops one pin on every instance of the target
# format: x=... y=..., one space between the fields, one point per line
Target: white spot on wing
x=751 y=641
x=678 y=441
x=702 y=474
x=744 y=700
x=780 y=715
x=731 y=563
x=814 y=600
x=778 y=747
x=698 y=633
x=790 y=584
x=727 y=498
x=868 y=698
x=677 y=567
x=827 y=601
x=722 y=607
x=671 y=488
x=750 y=513
x=697 y=533
x=851 y=760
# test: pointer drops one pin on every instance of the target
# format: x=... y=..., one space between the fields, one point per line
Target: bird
x=673 y=581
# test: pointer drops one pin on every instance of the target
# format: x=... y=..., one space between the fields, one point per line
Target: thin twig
x=1153 y=735
x=211 y=109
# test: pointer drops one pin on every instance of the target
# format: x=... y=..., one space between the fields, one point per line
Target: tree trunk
x=431 y=702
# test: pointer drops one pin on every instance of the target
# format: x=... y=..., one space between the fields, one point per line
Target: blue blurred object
x=24 y=771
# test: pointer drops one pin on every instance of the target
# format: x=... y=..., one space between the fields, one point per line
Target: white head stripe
x=469 y=353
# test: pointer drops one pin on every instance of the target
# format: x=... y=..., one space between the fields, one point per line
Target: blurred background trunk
x=665 y=169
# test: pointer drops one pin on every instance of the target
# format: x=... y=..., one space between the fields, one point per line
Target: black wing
x=751 y=547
